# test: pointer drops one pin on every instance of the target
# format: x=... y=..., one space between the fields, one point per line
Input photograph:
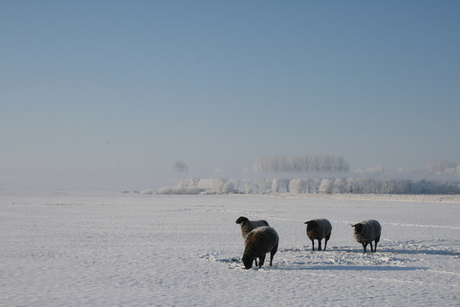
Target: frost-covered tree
x=339 y=185
x=275 y=164
x=309 y=185
x=211 y=185
x=247 y=186
x=267 y=184
x=186 y=183
x=340 y=165
x=297 y=186
x=279 y=185
x=326 y=186
x=231 y=186
x=298 y=163
x=306 y=163
x=317 y=185
x=285 y=164
x=275 y=188
x=261 y=165
x=378 y=169
x=316 y=163
x=440 y=167
x=285 y=183
x=302 y=163
x=404 y=170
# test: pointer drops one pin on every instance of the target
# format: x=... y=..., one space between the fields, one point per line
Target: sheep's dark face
x=247 y=262
x=358 y=227
x=241 y=219
x=311 y=225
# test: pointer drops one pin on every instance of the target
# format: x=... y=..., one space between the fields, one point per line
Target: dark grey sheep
x=258 y=243
x=366 y=232
x=317 y=230
x=247 y=225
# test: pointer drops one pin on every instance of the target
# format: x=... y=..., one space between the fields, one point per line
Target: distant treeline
x=300 y=185
x=301 y=164
x=440 y=167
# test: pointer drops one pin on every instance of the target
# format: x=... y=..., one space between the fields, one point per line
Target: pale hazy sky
x=109 y=94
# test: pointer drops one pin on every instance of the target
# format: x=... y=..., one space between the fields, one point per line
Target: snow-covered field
x=108 y=249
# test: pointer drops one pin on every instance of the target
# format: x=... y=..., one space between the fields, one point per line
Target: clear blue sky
x=108 y=94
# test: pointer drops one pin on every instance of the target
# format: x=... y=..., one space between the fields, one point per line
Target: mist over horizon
x=108 y=95
x=138 y=181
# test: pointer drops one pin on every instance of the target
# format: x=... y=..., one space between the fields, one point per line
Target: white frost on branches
x=317 y=185
x=441 y=167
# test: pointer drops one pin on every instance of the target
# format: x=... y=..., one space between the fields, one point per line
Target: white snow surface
x=113 y=249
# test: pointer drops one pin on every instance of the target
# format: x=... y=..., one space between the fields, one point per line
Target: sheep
x=366 y=232
x=259 y=242
x=247 y=225
x=317 y=230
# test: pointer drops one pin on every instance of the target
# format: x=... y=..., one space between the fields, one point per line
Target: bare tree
x=298 y=163
x=180 y=167
x=275 y=164
x=285 y=163
x=301 y=163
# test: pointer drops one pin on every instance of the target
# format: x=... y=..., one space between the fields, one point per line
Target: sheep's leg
x=261 y=260
x=312 y=245
x=319 y=244
x=272 y=254
x=364 y=246
x=376 y=241
x=255 y=262
x=372 y=249
x=327 y=239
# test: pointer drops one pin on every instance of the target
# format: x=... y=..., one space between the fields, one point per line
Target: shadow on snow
x=352 y=268
x=441 y=252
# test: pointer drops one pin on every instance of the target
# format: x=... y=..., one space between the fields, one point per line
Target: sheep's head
x=311 y=225
x=358 y=227
x=241 y=219
x=247 y=262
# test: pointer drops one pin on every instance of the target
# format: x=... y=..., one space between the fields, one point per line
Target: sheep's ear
x=307 y=222
x=354 y=225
